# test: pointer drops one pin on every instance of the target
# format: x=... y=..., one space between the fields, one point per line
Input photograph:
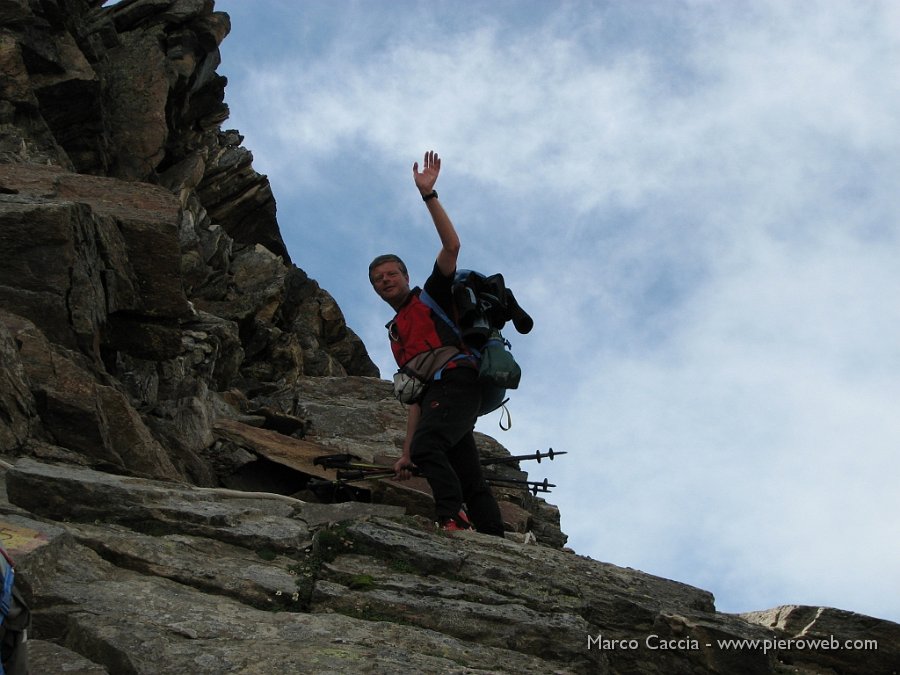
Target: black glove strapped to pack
x=484 y=304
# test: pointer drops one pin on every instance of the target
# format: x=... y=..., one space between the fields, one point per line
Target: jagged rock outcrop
x=137 y=244
x=169 y=377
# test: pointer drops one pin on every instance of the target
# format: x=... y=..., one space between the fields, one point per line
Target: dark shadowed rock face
x=138 y=247
x=169 y=378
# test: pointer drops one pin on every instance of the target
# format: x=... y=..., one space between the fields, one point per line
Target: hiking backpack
x=14 y=621
x=482 y=305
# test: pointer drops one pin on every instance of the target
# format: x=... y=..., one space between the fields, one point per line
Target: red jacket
x=421 y=340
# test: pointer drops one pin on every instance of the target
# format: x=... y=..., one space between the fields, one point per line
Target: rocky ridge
x=169 y=377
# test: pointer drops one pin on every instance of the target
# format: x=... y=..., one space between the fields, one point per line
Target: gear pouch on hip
x=407 y=388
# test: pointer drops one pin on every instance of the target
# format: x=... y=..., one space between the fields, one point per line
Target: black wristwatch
x=430 y=195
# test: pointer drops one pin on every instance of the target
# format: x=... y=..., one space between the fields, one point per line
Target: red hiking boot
x=457 y=523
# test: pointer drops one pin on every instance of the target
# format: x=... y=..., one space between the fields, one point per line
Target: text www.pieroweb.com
x=764 y=645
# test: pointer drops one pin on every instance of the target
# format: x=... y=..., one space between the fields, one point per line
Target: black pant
x=443 y=447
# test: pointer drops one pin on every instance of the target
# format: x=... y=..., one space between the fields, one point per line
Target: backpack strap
x=467 y=351
x=508 y=425
x=437 y=309
x=6 y=588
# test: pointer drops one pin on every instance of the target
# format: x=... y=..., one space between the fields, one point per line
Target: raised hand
x=431 y=168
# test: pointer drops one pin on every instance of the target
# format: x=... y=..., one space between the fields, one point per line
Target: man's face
x=390 y=283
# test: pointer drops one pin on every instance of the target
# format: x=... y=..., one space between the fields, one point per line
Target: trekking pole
x=350 y=468
x=357 y=475
x=345 y=477
x=351 y=471
x=351 y=475
x=344 y=461
x=348 y=461
x=533 y=486
x=537 y=455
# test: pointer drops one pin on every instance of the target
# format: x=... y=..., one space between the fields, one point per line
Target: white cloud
x=756 y=447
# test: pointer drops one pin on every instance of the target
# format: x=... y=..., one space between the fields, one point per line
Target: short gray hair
x=387 y=257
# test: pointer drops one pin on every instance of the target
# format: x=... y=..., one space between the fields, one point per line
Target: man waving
x=445 y=400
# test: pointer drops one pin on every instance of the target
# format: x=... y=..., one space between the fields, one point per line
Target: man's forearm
x=425 y=180
x=414 y=412
x=450 y=244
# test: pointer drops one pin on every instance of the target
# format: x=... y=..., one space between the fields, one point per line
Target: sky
x=695 y=200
